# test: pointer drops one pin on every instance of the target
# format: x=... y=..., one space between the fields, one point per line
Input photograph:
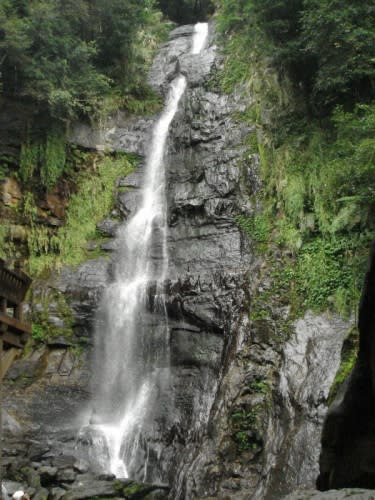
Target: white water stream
x=129 y=358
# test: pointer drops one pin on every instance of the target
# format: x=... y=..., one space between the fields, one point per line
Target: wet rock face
x=42 y=474
x=207 y=289
x=265 y=424
x=310 y=360
x=209 y=258
x=348 y=454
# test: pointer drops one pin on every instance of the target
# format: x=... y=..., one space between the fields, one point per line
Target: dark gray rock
x=166 y=64
x=195 y=349
x=41 y=494
x=108 y=227
x=81 y=466
x=66 y=475
x=109 y=246
x=56 y=493
x=58 y=342
x=31 y=476
x=88 y=488
x=9 y=424
x=36 y=449
x=356 y=494
x=83 y=286
x=129 y=136
x=197 y=69
x=117 y=133
x=24 y=368
x=128 y=202
x=64 y=461
x=133 y=180
x=47 y=475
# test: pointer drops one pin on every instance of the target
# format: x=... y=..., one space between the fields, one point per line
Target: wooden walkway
x=14 y=332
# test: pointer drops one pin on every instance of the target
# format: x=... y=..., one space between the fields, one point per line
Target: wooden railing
x=13 y=283
x=14 y=331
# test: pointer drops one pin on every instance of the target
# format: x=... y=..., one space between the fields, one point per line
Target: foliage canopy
x=65 y=55
x=327 y=47
x=186 y=11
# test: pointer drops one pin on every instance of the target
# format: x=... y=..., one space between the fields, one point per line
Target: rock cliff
x=248 y=391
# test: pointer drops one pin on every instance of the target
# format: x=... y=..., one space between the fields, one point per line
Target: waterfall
x=132 y=357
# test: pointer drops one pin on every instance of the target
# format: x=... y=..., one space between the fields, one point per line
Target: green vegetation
x=44 y=160
x=45 y=247
x=244 y=426
x=326 y=47
x=132 y=489
x=88 y=206
x=42 y=327
x=64 y=60
x=246 y=421
x=37 y=332
x=348 y=359
x=186 y=11
x=7 y=246
x=305 y=67
x=256 y=228
x=259 y=386
x=53 y=163
x=29 y=158
x=324 y=273
x=66 y=56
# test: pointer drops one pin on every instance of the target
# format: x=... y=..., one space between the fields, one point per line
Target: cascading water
x=131 y=359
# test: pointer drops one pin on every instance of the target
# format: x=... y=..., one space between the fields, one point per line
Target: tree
x=65 y=55
x=340 y=35
x=327 y=47
x=186 y=11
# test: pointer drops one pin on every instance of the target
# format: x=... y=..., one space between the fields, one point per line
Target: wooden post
x=18 y=312
x=13 y=332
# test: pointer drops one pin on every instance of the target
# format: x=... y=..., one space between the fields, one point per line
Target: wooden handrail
x=13 y=283
x=14 y=324
x=13 y=331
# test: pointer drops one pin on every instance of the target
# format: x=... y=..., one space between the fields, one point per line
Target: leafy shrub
x=257 y=228
x=53 y=162
x=37 y=332
x=325 y=46
x=29 y=160
x=43 y=159
x=348 y=358
x=89 y=205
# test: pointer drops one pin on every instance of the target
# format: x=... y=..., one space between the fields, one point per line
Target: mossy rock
x=132 y=490
x=349 y=354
